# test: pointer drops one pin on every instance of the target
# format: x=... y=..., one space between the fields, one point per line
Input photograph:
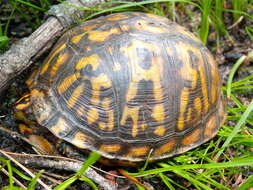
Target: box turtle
x=129 y=86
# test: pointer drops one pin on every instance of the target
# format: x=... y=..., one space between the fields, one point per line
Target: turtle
x=131 y=86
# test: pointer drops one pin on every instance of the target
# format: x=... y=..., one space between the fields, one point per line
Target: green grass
x=33 y=181
x=203 y=167
x=79 y=175
x=28 y=11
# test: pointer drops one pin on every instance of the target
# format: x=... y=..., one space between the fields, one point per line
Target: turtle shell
x=129 y=85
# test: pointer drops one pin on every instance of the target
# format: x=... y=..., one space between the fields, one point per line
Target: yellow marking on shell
x=137 y=151
x=170 y=51
x=189 y=115
x=131 y=92
x=60 y=60
x=59 y=127
x=143 y=126
x=198 y=106
x=215 y=85
x=110 y=121
x=106 y=103
x=116 y=17
x=192 y=138
x=80 y=111
x=50 y=57
x=89 y=27
x=182 y=30
x=96 y=84
x=211 y=124
x=67 y=82
x=87 y=48
x=36 y=93
x=116 y=66
x=204 y=87
x=100 y=36
x=92 y=115
x=110 y=148
x=157 y=18
x=22 y=106
x=92 y=60
x=184 y=97
x=76 y=39
x=154 y=16
x=125 y=27
x=133 y=114
x=23 y=102
x=157 y=66
x=158 y=112
x=221 y=111
x=186 y=71
x=187 y=47
x=102 y=125
x=144 y=26
x=100 y=81
x=165 y=148
x=24 y=97
x=81 y=140
x=160 y=130
x=75 y=95
x=138 y=73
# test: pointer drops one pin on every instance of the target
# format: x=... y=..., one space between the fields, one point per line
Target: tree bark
x=20 y=55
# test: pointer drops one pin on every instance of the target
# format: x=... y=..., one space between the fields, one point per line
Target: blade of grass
x=236 y=129
x=247 y=184
x=219 y=22
x=93 y=157
x=238 y=162
x=31 y=5
x=8 y=162
x=132 y=4
x=66 y=183
x=195 y=182
x=173 y=182
x=204 y=26
x=166 y=181
x=249 y=31
x=19 y=173
x=33 y=182
x=238 y=5
x=232 y=73
x=90 y=182
x=9 y=19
